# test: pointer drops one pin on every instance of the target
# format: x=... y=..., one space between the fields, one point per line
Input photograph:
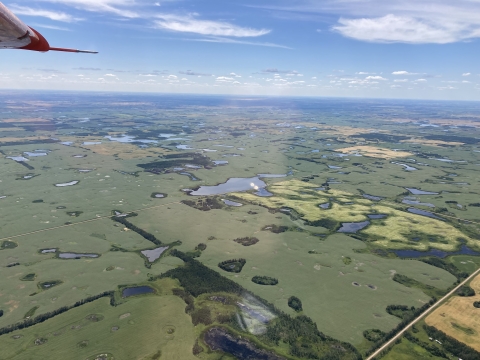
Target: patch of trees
x=305 y=341
x=176 y=160
x=476 y=304
x=329 y=224
x=300 y=333
x=28 y=277
x=246 y=241
x=236 y=134
x=452 y=345
x=442 y=264
x=466 y=291
x=373 y=334
x=264 y=280
x=41 y=318
x=452 y=138
x=8 y=245
x=401 y=311
x=276 y=229
x=201 y=247
x=474 y=204
x=37 y=201
x=1 y=313
x=146 y=235
x=412 y=283
x=432 y=349
x=406 y=320
x=295 y=303
x=205 y=204
x=233 y=265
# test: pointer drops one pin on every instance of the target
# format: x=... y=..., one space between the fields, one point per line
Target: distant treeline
x=442 y=264
x=141 y=232
x=41 y=318
x=452 y=345
x=431 y=348
x=406 y=320
x=177 y=160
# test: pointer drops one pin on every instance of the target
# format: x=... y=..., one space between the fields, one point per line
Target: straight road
x=429 y=310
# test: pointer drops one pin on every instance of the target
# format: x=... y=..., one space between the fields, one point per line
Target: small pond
x=376 y=216
x=17 y=158
x=464 y=250
x=324 y=206
x=68 y=255
x=231 y=203
x=372 y=197
x=184 y=147
x=209 y=150
x=271 y=175
x=220 y=162
x=407 y=167
x=34 y=154
x=137 y=290
x=130 y=139
x=154 y=254
x=421 y=192
x=190 y=166
x=353 y=227
x=423 y=213
x=242 y=349
x=263 y=192
x=46 y=251
x=232 y=185
x=334 y=167
x=92 y=143
x=71 y=183
x=416 y=202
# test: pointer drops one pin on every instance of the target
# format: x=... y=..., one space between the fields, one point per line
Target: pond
x=353 y=227
x=67 y=143
x=220 y=162
x=71 y=183
x=324 y=206
x=17 y=158
x=184 y=147
x=92 y=143
x=46 y=251
x=209 y=150
x=464 y=250
x=34 y=154
x=407 y=167
x=129 y=139
x=231 y=203
x=271 y=175
x=137 y=290
x=416 y=202
x=242 y=349
x=423 y=213
x=191 y=176
x=263 y=193
x=421 y=192
x=154 y=254
x=68 y=255
x=376 y=216
x=372 y=197
x=190 y=166
x=334 y=167
x=232 y=185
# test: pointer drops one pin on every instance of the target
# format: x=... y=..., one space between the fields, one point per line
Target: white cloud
x=172 y=77
x=235 y=75
x=112 y=75
x=376 y=77
x=421 y=80
x=403 y=72
x=465 y=82
x=400 y=80
x=396 y=86
x=466 y=74
x=52 y=15
x=191 y=24
x=112 y=6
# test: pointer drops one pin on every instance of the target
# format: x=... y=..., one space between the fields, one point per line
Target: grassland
x=343 y=286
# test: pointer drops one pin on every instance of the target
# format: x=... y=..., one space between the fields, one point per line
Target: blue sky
x=420 y=49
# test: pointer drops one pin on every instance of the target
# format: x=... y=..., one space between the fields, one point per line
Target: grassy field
x=407 y=350
x=136 y=329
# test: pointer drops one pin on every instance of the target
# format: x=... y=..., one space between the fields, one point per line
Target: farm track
x=426 y=312
x=84 y=221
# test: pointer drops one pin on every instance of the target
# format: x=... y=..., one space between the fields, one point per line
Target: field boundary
x=426 y=312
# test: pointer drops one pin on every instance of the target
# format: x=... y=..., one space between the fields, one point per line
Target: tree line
x=452 y=345
x=146 y=235
x=42 y=317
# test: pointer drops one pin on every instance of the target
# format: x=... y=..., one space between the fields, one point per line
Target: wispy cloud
x=51 y=27
x=191 y=24
x=52 y=15
x=215 y=39
x=403 y=72
x=87 y=69
x=118 y=7
x=193 y=73
x=466 y=74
